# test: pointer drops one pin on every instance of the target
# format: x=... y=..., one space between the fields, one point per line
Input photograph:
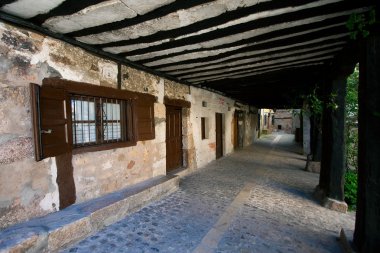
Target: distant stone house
x=286 y=120
x=88 y=126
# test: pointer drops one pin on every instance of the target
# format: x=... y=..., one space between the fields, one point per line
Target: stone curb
x=60 y=229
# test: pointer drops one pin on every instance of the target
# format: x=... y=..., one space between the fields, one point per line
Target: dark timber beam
x=367 y=227
x=323 y=28
x=5 y=2
x=249 y=26
x=210 y=22
x=251 y=60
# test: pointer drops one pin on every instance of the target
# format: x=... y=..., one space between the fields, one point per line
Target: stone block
x=175 y=90
x=109 y=214
x=69 y=233
x=23 y=239
x=159 y=168
x=159 y=110
x=314 y=167
x=336 y=205
x=32 y=244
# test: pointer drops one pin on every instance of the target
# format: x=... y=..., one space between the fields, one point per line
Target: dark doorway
x=235 y=127
x=173 y=138
x=219 y=135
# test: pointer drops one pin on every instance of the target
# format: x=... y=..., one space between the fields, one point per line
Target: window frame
x=83 y=89
x=99 y=120
x=204 y=128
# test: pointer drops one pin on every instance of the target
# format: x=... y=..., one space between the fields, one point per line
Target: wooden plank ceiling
x=258 y=51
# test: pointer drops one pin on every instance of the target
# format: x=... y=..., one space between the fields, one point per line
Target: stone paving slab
x=54 y=231
x=258 y=199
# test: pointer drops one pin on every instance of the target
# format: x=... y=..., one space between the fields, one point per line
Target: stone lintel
x=336 y=205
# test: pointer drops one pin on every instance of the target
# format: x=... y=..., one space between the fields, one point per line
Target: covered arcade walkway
x=259 y=199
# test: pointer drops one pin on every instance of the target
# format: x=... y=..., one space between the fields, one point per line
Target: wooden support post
x=367 y=227
x=331 y=182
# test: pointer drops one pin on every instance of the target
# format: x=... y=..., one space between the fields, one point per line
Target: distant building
x=287 y=120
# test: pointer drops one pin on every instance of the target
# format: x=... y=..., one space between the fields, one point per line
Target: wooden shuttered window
x=144 y=106
x=51 y=119
x=78 y=117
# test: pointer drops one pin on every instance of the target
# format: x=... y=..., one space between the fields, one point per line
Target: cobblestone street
x=256 y=200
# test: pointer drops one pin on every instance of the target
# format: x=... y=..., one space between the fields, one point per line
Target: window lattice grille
x=96 y=120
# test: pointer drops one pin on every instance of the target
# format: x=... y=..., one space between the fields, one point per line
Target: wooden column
x=323 y=186
x=331 y=184
x=367 y=228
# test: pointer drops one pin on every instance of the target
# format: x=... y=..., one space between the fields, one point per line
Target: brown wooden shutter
x=52 y=132
x=144 y=106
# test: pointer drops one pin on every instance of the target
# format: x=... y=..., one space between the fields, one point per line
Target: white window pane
x=83 y=110
x=116 y=111
x=84 y=133
x=111 y=111
x=91 y=111
x=112 y=131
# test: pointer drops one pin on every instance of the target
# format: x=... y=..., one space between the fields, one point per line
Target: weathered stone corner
x=336 y=205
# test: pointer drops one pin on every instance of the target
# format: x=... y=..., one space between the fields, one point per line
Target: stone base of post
x=314 y=167
x=336 y=205
x=332 y=204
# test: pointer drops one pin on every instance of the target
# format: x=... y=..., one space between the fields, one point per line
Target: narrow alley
x=258 y=199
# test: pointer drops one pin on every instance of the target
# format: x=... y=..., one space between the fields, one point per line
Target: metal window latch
x=49 y=131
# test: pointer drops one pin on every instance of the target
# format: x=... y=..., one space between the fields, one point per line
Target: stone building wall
x=250 y=134
x=266 y=125
x=28 y=188
x=206 y=104
x=286 y=120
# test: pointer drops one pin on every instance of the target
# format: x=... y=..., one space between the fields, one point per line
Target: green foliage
x=350 y=189
x=352 y=96
x=332 y=101
x=314 y=103
x=351 y=178
x=358 y=24
x=352 y=119
x=352 y=149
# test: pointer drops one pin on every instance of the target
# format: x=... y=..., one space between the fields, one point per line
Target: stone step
x=60 y=229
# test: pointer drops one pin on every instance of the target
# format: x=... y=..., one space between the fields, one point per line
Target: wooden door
x=219 y=135
x=173 y=138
